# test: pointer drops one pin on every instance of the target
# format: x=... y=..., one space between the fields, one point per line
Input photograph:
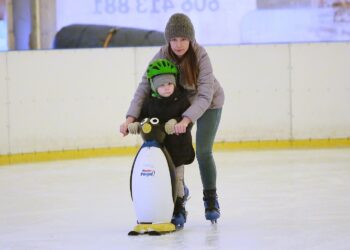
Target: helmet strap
x=154 y=91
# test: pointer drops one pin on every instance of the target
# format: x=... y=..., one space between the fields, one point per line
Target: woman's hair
x=189 y=65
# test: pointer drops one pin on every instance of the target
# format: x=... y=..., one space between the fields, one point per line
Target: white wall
x=72 y=99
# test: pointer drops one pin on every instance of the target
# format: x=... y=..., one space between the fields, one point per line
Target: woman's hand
x=124 y=126
x=180 y=127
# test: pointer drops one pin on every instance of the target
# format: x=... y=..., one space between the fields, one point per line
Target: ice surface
x=288 y=199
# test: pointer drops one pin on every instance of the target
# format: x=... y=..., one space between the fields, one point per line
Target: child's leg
x=180 y=171
x=179 y=214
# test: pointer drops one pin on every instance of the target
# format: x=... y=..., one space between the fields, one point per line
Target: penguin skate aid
x=154 y=183
x=157 y=179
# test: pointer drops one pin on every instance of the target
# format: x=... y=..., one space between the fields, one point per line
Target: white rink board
x=67 y=99
x=4 y=132
x=256 y=85
x=76 y=99
x=321 y=90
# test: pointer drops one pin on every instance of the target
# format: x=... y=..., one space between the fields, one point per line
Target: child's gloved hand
x=169 y=126
x=134 y=128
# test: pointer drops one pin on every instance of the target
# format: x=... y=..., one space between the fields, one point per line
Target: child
x=167 y=102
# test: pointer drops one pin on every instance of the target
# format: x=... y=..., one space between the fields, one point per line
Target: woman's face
x=179 y=45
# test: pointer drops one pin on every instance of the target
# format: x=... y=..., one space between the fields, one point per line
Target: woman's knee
x=203 y=155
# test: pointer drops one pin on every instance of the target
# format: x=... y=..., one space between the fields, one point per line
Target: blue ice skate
x=180 y=213
x=187 y=193
x=211 y=204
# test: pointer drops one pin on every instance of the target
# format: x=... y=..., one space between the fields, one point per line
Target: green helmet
x=160 y=67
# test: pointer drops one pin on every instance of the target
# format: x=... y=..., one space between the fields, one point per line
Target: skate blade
x=212 y=217
x=152 y=229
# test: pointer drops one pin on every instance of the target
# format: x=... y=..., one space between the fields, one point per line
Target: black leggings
x=207 y=125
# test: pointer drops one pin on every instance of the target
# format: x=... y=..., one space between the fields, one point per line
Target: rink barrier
x=284 y=144
x=126 y=151
x=75 y=99
x=65 y=155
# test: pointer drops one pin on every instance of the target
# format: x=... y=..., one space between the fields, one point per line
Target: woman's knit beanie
x=179 y=25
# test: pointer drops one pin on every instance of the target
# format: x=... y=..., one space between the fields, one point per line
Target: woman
x=205 y=94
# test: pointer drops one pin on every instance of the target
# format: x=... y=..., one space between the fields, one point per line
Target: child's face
x=166 y=89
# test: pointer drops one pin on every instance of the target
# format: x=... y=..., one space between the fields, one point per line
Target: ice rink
x=283 y=199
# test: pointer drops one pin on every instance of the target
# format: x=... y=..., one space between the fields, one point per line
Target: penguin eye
x=144 y=121
x=154 y=121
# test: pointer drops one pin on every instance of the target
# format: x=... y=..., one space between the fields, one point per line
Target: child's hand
x=134 y=128
x=169 y=126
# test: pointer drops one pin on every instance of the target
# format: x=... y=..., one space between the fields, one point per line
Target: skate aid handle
x=134 y=128
x=169 y=126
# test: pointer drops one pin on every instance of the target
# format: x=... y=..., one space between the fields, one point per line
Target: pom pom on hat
x=179 y=25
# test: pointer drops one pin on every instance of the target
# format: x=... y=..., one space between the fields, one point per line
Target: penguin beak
x=146 y=128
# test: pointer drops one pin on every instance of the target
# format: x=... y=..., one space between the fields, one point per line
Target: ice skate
x=211 y=204
x=180 y=213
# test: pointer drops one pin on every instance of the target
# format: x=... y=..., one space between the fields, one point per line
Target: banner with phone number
x=217 y=22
